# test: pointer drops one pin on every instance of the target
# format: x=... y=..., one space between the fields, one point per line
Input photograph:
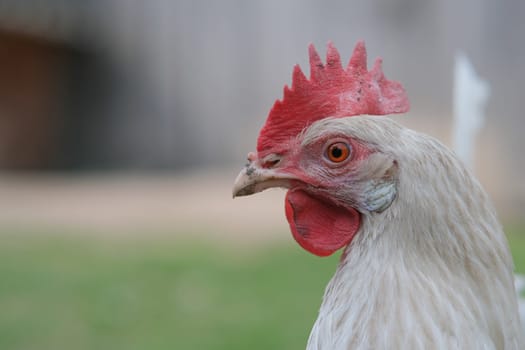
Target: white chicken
x=425 y=264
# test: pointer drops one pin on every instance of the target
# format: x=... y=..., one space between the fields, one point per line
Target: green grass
x=79 y=293
x=94 y=293
x=516 y=235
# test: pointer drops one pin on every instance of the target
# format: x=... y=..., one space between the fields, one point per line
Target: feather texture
x=426 y=264
x=433 y=271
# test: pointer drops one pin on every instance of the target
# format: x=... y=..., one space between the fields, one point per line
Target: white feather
x=433 y=271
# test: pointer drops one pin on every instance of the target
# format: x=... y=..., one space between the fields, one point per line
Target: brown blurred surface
x=30 y=71
x=193 y=204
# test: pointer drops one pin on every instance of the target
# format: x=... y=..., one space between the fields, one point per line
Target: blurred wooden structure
x=31 y=88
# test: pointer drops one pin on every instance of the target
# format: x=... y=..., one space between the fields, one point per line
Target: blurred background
x=123 y=125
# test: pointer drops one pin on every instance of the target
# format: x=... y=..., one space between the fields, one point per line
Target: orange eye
x=338 y=152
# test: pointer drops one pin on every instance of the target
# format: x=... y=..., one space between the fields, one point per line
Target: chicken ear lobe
x=379 y=193
x=318 y=226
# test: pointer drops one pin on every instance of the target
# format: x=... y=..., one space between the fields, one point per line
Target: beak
x=253 y=178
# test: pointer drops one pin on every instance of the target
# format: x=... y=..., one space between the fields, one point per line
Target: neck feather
x=432 y=271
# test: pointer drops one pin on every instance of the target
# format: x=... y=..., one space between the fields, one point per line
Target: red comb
x=331 y=91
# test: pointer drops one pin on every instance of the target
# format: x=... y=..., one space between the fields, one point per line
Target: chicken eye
x=338 y=152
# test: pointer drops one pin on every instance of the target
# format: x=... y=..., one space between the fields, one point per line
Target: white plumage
x=425 y=264
x=431 y=272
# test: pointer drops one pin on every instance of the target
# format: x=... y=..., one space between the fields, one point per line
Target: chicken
x=425 y=262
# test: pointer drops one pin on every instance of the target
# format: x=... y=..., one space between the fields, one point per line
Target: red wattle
x=319 y=226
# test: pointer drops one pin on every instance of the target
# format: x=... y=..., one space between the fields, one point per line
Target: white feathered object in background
x=519 y=283
x=425 y=264
x=471 y=93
